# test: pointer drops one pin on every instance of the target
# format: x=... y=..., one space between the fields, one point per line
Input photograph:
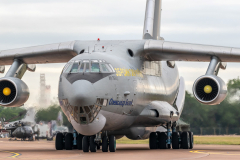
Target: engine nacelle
x=210 y=90
x=13 y=92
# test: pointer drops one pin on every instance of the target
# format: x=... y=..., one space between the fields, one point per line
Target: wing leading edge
x=52 y=53
x=159 y=50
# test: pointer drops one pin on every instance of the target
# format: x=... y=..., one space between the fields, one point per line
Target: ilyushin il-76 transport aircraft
x=111 y=89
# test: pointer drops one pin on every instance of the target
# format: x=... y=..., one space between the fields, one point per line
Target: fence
x=215 y=131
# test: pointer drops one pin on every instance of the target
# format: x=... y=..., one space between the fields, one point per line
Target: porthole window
x=82 y=51
x=130 y=52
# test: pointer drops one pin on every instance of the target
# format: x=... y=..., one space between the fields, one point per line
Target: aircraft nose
x=82 y=93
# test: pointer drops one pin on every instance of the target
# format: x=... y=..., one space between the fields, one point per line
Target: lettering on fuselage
x=120 y=103
x=128 y=72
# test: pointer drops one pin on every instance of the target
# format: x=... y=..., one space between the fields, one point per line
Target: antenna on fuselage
x=152 y=21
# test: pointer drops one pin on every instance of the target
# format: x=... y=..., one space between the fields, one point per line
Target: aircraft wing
x=159 y=50
x=52 y=53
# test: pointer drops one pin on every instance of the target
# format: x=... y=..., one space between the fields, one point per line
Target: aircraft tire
x=153 y=140
x=112 y=143
x=185 y=140
x=105 y=144
x=93 y=145
x=85 y=144
x=79 y=142
x=175 y=140
x=59 y=141
x=163 y=140
x=191 y=140
x=69 y=141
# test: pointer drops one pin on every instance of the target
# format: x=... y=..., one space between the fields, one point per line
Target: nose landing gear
x=71 y=141
x=171 y=139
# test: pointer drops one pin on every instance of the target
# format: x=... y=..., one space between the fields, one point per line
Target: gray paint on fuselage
x=143 y=90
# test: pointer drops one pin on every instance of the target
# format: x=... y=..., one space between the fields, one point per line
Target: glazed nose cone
x=82 y=93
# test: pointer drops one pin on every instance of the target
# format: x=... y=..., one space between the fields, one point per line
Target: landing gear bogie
x=171 y=139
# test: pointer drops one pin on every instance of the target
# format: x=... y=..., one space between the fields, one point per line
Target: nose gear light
x=208 y=89
x=6 y=91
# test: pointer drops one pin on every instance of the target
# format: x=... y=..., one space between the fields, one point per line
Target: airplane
x=110 y=89
x=23 y=128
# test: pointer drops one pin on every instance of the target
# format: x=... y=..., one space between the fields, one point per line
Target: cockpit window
x=105 y=68
x=68 y=68
x=82 y=67
x=75 y=67
x=95 y=66
x=87 y=67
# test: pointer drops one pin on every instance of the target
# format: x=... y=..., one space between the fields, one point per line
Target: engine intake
x=210 y=89
x=13 y=92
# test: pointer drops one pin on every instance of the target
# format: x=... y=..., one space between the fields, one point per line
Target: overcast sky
x=26 y=23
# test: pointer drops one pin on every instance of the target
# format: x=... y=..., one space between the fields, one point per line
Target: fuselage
x=109 y=84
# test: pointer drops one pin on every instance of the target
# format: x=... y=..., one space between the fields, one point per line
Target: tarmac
x=44 y=150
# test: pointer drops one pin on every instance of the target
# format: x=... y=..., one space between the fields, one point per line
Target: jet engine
x=210 y=89
x=13 y=92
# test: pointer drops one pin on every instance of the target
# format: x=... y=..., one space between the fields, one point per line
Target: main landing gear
x=171 y=139
x=92 y=143
x=71 y=141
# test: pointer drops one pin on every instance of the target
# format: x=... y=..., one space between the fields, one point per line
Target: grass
x=218 y=140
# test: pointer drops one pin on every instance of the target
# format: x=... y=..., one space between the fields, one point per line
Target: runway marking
x=14 y=154
x=219 y=153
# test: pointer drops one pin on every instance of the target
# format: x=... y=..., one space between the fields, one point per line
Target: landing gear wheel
x=59 y=141
x=93 y=145
x=112 y=143
x=85 y=144
x=163 y=140
x=175 y=140
x=153 y=140
x=191 y=140
x=104 y=144
x=79 y=142
x=185 y=140
x=69 y=141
